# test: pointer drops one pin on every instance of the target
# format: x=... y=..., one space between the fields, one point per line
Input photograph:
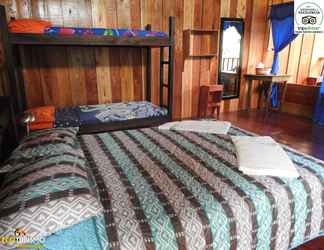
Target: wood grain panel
x=188 y=16
x=69 y=76
x=103 y=75
x=126 y=75
x=246 y=51
x=89 y=64
x=317 y=56
x=104 y=13
x=294 y=57
x=305 y=57
x=196 y=62
x=152 y=13
x=32 y=80
x=254 y=44
x=175 y=8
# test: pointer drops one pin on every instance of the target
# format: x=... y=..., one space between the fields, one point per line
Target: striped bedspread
x=182 y=190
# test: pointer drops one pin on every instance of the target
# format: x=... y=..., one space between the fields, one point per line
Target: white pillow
x=262 y=155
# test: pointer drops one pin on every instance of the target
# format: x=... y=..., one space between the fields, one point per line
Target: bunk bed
x=13 y=41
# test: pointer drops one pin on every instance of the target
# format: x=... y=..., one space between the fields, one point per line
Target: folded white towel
x=212 y=127
x=263 y=156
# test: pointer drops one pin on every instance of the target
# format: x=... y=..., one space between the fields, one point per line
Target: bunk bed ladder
x=169 y=63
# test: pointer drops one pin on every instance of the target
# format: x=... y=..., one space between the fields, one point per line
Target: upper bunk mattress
x=35 y=26
x=104 y=113
x=103 y=32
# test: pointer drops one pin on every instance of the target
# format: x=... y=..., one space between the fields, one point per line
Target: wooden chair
x=210 y=97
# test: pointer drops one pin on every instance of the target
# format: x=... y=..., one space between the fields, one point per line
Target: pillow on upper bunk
x=47 y=142
x=34 y=26
x=44 y=195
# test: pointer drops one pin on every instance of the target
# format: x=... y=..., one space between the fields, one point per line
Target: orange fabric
x=44 y=117
x=40 y=125
x=28 y=26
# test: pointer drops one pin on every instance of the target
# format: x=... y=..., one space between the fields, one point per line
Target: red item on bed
x=41 y=125
x=34 y=26
x=44 y=117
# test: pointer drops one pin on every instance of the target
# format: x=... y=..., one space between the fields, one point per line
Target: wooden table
x=263 y=78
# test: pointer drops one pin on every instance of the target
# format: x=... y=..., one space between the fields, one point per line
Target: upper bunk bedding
x=164 y=189
x=103 y=32
x=32 y=26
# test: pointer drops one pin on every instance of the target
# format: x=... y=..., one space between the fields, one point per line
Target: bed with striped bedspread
x=183 y=190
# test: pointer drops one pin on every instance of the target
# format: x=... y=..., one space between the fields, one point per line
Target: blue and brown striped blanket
x=183 y=190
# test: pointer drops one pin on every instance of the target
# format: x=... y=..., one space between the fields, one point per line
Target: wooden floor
x=297 y=132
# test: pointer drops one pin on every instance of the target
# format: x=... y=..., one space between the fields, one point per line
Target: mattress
x=183 y=190
x=104 y=113
x=103 y=32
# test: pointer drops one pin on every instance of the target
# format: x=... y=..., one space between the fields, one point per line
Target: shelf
x=204 y=55
x=43 y=39
x=201 y=30
x=200 y=43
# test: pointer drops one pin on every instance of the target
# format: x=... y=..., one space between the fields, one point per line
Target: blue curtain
x=319 y=111
x=282 y=19
x=282 y=35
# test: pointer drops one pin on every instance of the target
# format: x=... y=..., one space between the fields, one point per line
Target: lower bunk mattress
x=182 y=190
x=105 y=113
x=78 y=116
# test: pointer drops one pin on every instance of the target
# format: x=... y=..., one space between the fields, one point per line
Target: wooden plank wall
x=301 y=59
x=70 y=76
x=201 y=71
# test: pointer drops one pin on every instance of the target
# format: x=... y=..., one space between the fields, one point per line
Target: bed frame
x=8 y=132
x=12 y=41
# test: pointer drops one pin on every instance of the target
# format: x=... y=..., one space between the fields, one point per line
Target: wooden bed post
x=171 y=61
x=148 y=68
x=9 y=61
x=161 y=76
x=14 y=92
